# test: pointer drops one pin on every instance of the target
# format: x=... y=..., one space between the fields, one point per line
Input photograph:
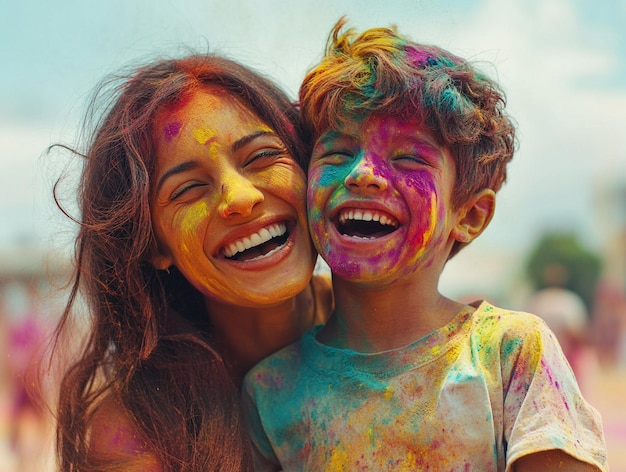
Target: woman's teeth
x=256 y=239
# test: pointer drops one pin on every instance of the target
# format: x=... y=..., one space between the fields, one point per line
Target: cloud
x=569 y=122
x=26 y=179
x=561 y=62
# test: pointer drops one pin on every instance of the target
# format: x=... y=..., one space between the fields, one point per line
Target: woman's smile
x=229 y=203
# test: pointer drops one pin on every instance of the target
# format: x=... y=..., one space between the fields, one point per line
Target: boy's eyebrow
x=330 y=136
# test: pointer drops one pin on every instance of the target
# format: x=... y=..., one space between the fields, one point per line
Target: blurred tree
x=560 y=259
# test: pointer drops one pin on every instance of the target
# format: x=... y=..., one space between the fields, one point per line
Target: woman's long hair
x=172 y=382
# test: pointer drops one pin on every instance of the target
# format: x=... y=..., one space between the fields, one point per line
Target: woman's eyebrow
x=241 y=142
x=190 y=165
x=177 y=169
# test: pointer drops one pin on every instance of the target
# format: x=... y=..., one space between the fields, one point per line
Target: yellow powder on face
x=203 y=135
x=239 y=191
x=196 y=215
x=431 y=228
x=433 y=218
x=207 y=137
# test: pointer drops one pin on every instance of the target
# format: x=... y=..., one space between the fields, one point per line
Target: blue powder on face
x=331 y=175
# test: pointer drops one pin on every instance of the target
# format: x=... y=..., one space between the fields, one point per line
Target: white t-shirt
x=486 y=389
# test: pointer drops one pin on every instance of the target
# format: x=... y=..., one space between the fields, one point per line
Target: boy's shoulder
x=503 y=326
x=487 y=313
x=280 y=366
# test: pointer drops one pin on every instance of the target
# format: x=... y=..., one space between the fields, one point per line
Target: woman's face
x=228 y=203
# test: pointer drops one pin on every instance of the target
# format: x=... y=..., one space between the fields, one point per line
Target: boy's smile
x=364 y=223
x=379 y=199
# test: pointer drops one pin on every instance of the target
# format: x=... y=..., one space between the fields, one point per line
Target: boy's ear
x=475 y=216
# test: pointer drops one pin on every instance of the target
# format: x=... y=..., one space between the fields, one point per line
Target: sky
x=562 y=64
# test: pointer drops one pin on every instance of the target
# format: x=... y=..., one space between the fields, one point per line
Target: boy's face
x=379 y=198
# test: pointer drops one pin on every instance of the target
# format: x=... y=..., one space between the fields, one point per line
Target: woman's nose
x=239 y=196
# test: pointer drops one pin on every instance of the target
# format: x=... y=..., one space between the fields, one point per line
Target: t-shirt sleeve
x=264 y=457
x=543 y=406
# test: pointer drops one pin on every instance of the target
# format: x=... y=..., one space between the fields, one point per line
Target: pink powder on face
x=171 y=130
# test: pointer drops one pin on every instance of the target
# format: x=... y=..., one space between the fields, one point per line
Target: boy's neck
x=367 y=320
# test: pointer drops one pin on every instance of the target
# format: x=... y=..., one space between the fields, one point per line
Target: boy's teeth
x=366 y=215
x=255 y=239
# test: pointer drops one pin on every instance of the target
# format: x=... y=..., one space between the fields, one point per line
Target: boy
x=411 y=144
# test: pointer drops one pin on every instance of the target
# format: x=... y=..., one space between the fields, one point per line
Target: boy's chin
x=360 y=273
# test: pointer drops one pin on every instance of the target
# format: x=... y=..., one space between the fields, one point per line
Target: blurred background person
x=564 y=311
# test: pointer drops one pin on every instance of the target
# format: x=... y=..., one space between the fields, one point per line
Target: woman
x=194 y=259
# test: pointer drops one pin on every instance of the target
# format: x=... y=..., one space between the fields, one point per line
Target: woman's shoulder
x=115 y=438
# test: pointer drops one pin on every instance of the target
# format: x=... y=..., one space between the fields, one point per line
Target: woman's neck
x=246 y=335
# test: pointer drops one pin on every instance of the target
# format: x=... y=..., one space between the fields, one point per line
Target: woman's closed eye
x=265 y=158
x=185 y=190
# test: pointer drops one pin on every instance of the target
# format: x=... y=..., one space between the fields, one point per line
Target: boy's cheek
x=315 y=211
x=317 y=230
x=315 y=195
x=326 y=177
x=314 y=214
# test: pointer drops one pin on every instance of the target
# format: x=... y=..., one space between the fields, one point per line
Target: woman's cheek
x=289 y=182
x=190 y=224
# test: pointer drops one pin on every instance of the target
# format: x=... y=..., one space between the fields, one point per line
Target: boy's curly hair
x=382 y=72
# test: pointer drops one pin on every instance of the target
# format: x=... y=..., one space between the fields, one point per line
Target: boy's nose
x=365 y=176
x=239 y=196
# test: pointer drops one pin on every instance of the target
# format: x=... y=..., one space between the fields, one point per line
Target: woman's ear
x=159 y=259
x=160 y=262
x=475 y=216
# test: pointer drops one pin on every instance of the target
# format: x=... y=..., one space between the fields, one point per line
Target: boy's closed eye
x=410 y=161
x=335 y=157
